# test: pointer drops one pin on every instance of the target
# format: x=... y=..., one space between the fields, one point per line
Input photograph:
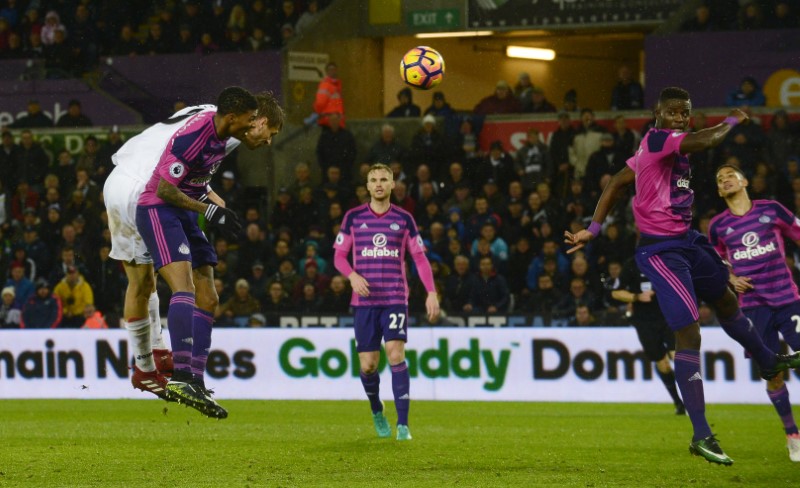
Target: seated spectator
x=783 y=17
x=207 y=45
x=309 y=301
x=307 y=18
x=498 y=165
x=23 y=287
x=628 y=93
x=34 y=118
x=439 y=106
x=405 y=107
x=387 y=148
x=43 y=309
x=238 y=309
x=75 y=293
x=583 y=317
x=539 y=103
x=490 y=294
x=93 y=318
x=10 y=314
x=607 y=160
x=337 y=298
x=577 y=295
x=185 y=43
x=502 y=101
x=286 y=276
x=427 y=146
x=751 y=16
x=74 y=116
x=52 y=24
x=701 y=22
x=498 y=247
x=156 y=42
x=401 y=199
x=570 y=103
x=277 y=301
x=550 y=250
x=532 y=161
x=543 y=299
x=748 y=94
x=458 y=286
x=523 y=91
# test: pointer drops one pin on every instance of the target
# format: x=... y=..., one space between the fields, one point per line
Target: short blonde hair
x=380 y=167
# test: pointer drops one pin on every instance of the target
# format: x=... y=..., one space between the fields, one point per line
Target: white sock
x=139 y=334
x=155 y=322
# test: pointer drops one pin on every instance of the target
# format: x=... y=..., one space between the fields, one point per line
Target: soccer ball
x=422 y=67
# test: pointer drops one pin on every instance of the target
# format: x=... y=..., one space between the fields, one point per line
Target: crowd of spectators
x=492 y=221
x=743 y=15
x=70 y=36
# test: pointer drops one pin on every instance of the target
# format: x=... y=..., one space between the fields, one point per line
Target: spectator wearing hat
x=570 y=103
x=75 y=293
x=34 y=118
x=10 y=313
x=312 y=255
x=43 y=309
x=257 y=320
x=257 y=278
x=311 y=276
x=238 y=309
x=427 y=146
x=539 y=103
x=439 y=106
x=23 y=287
x=74 y=116
x=406 y=106
x=502 y=101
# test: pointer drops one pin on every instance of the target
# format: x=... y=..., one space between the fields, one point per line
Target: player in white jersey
x=134 y=164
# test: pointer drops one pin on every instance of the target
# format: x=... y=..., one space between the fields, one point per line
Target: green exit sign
x=434 y=19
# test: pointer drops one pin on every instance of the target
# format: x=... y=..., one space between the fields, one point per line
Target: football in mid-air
x=422 y=67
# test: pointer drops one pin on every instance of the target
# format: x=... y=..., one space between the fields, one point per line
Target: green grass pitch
x=130 y=443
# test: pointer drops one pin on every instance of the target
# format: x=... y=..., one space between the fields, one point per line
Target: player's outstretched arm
x=608 y=199
x=708 y=138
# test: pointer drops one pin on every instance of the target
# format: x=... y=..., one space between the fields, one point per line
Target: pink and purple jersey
x=663 y=202
x=190 y=159
x=377 y=245
x=753 y=245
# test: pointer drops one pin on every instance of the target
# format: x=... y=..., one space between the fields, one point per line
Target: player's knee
x=396 y=357
x=775 y=383
x=207 y=302
x=143 y=287
x=369 y=368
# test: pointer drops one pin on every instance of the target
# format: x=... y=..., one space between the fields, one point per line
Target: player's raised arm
x=608 y=199
x=712 y=136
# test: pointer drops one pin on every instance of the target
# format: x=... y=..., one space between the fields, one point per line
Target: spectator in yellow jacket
x=75 y=293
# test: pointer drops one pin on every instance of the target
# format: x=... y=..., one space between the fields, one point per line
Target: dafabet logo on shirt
x=379 y=250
